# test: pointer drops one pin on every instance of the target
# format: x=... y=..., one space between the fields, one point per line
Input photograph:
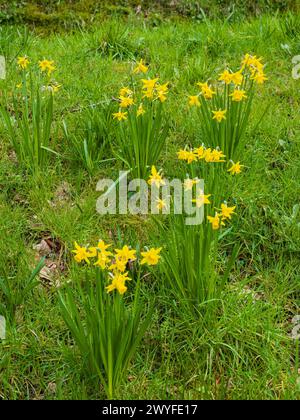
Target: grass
x=245 y=352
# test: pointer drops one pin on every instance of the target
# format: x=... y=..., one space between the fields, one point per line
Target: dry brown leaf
x=42 y=248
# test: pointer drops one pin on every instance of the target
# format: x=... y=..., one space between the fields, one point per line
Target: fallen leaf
x=50 y=274
x=42 y=248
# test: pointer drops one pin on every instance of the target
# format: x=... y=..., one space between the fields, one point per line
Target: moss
x=117 y=10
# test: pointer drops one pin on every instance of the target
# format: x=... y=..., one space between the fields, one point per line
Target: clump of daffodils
x=116 y=263
x=251 y=70
x=219 y=218
x=138 y=97
x=209 y=155
x=224 y=104
x=201 y=153
x=256 y=68
x=201 y=199
x=46 y=67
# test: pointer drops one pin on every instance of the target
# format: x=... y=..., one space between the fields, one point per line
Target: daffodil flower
x=151 y=257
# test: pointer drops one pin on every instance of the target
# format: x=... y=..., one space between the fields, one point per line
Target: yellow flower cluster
x=154 y=90
x=45 y=66
x=249 y=62
x=116 y=263
x=251 y=65
x=256 y=68
x=206 y=90
x=201 y=153
x=219 y=218
x=126 y=100
x=150 y=89
x=208 y=155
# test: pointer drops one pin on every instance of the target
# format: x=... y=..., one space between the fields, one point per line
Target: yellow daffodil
x=246 y=60
x=161 y=96
x=148 y=87
x=259 y=78
x=194 y=101
x=125 y=101
x=148 y=93
x=235 y=168
x=54 y=87
x=207 y=155
x=81 y=254
x=237 y=78
x=155 y=178
x=125 y=254
x=200 y=152
x=47 y=65
x=125 y=91
x=161 y=204
x=256 y=63
x=151 y=257
x=216 y=156
x=189 y=183
x=201 y=199
x=100 y=251
x=227 y=211
x=226 y=77
x=120 y=115
x=219 y=115
x=140 y=110
x=182 y=154
x=102 y=246
x=149 y=83
x=161 y=91
x=206 y=90
x=140 y=67
x=23 y=62
x=93 y=251
x=118 y=265
x=118 y=283
x=215 y=221
x=238 y=95
x=191 y=156
x=253 y=63
x=103 y=260
x=188 y=155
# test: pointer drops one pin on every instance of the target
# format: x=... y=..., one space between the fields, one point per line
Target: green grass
x=73 y=14
x=245 y=351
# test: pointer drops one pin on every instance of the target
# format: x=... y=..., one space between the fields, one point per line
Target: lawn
x=236 y=345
